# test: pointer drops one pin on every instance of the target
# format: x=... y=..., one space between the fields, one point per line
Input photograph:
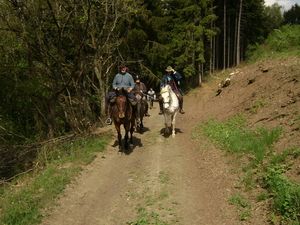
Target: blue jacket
x=172 y=80
x=123 y=81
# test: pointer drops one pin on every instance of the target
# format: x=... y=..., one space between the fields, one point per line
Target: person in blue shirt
x=123 y=79
x=172 y=78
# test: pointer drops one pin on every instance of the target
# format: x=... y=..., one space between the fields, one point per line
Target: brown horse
x=141 y=108
x=122 y=113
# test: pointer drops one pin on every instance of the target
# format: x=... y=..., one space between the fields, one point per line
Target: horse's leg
x=119 y=136
x=141 y=125
x=138 y=112
x=166 y=124
x=131 y=132
x=173 y=124
x=142 y=113
x=137 y=120
x=126 y=127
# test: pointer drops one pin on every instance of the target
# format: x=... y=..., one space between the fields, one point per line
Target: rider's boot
x=181 y=105
x=132 y=102
x=146 y=108
x=108 y=120
x=160 y=106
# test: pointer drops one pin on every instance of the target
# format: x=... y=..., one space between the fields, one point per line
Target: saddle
x=179 y=96
x=132 y=101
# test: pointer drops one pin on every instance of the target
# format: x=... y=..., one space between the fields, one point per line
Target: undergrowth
x=22 y=201
x=281 y=42
x=253 y=149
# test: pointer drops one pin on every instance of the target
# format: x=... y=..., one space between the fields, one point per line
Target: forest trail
x=164 y=180
x=186 y=180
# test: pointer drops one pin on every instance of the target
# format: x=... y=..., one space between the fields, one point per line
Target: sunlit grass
x=234 y=137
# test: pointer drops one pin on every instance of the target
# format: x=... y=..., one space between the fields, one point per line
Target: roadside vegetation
x=23 y=200
x=263 y=171
x=261 y=166
x=281 y=42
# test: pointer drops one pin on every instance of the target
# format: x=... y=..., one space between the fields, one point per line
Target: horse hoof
x=120 y=153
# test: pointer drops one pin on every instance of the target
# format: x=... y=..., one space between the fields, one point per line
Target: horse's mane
x=166 y=88
x=121 y=92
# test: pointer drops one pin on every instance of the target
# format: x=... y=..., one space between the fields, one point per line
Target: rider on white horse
x=172 y=78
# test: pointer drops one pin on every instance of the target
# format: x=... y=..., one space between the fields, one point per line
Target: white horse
x=170 y=107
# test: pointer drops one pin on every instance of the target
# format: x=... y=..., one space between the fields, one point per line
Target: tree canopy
x=58 y=58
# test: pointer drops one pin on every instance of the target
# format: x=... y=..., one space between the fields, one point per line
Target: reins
x=174 y=84
x=166 y=91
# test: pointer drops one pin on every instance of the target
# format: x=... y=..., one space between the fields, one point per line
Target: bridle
x=166 y=97
x=117 y=104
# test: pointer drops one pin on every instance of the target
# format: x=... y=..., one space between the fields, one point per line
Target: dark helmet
x=137 y=78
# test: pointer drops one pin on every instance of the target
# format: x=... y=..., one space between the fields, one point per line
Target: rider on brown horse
x=172 y=78
x=121 y=80
x=140 y=88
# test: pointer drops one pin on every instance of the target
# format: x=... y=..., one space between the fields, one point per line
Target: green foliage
x=24 y=207
x=286 y=194
x=82 y=150
x=292 y=16
x=189 y=71
x=282 y=158
x=274 y=16
x=285 y=40
x=242 y=205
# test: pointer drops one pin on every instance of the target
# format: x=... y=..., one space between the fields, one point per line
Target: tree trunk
x=229 y=44
x=224 y=44
x=50 y=117
x=200 y=69
x=238 y=57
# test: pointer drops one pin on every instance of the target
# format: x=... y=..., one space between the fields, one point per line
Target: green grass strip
x=24 y=204
x=234 y=137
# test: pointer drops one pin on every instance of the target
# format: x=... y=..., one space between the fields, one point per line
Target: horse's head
x=121 y=92
x=121 y=102
x=139 y=97
x=165 y=94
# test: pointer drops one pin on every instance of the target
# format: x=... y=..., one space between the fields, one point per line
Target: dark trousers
x=112 y=94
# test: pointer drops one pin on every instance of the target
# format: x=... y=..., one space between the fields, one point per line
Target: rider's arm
x=115 y=82
x=177 y=75
x=131 y=82
x=163 y=81
x=144 y=89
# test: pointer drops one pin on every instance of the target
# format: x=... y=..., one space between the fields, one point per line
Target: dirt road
x=163 y=180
